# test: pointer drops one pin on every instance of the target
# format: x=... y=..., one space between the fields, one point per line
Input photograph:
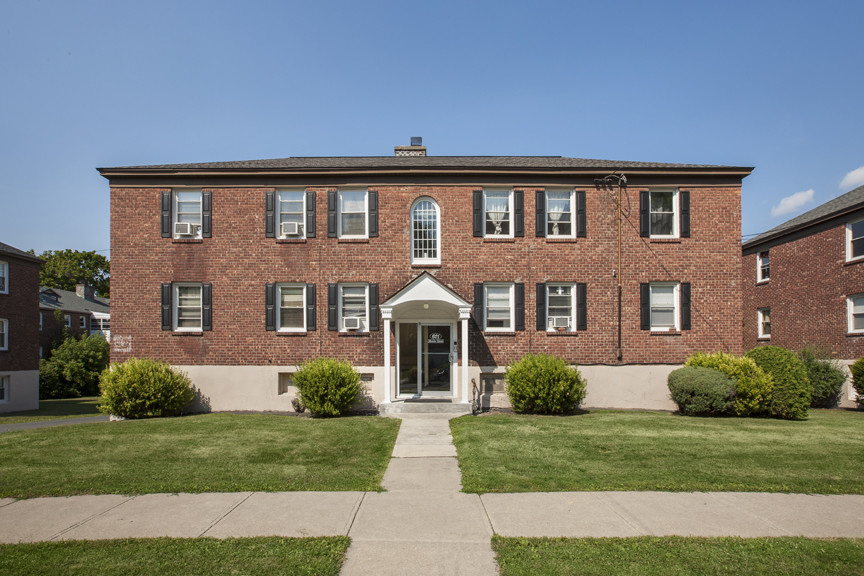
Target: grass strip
x=605 y=450
x=203 y=453
x=59 y=409
x=678 y=556
x=175 y=556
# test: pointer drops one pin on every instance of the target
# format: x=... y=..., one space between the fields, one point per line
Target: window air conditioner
x=290 y=229
x=560 y=322
x=352 y=323
x=182 y=229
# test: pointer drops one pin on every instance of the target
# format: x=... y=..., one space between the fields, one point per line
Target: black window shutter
x=310 y=307
x=479 y=305
x=270 y=307
x=373 y=307
x=270 y=214
x=684 y=197
x=519 y=216
x=166 y=214
x=332 y=304
x=373 y=213
x=541 y=306
x=540 y=213
x=645 y=305
x=310 y=215
x=581 y=306
x=206 y=306
x=580 y=213
x=685 y=306
x=478 y=213
x=331 y=216
x=166 y=307
x=519 y=297
x=644 y=215
x=206 y=214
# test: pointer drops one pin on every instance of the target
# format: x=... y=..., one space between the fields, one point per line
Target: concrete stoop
x=431 y=406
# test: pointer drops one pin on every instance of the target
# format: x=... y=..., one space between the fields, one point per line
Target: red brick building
x=803 y=282
x=425 y=272
x=19 y=329
x=78 y=313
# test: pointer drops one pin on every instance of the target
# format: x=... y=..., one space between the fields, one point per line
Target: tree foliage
x=64 y=269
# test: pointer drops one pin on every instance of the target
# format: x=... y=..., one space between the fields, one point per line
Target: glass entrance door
x=424 y=359
x=436 y=358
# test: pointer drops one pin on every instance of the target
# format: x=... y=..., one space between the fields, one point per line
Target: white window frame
x=279 y=288
x=4 y=329
x=67 y=321
x=760 y=320
x=437 y=209
x=340 y=211
x=4 y=274
x=676 y=306
x=572 y=193
x=549 y=287
x=512 y=302
x=850 y=302
x=512 y=219
x=676 y=213
x=175 y=214
x=82 y=322
x=849 y=239
x=759 y=261
x=5 y=383
x=364 y=322
x=301 y=226
x=175 y=308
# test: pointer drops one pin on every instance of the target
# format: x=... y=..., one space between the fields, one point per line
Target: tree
x=64 y=269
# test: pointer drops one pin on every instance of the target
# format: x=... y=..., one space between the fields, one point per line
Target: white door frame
x=454 y=364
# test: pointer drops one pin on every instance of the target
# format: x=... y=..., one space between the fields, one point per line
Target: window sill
x=665 y=240
x=187 y=240
x=353 y=240
x=502 y=333
x=854 y=334
x=438 y=265
x=499 y=240
x=666 y=333
x=190 y=333
x=354 y=334
x=763 y=338
x=560 y=333
x=854 y=262
x=286 y=333
x=560 y=240
x=761 y=282
x=291 y=240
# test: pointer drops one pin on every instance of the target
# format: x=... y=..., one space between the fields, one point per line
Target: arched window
x=425 y=232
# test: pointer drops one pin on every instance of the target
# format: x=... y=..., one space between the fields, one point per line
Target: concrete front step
x=442 y=406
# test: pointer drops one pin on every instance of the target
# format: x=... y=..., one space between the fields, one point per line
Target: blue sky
x=775 y=85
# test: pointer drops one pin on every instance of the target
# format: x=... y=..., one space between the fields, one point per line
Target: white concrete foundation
x=23 y=391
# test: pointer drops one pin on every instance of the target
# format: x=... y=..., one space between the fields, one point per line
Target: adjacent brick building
x=19 y=330
x=803 y=282
x=66 y=313
x=425 y=272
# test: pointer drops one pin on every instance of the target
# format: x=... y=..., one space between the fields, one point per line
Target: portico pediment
x=427 y=289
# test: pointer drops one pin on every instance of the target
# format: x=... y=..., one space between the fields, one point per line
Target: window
x=353 y=307
x=855 y=305
x=425 y=235
x=4 y=277
x=82 y=322
x=560 y=306
x=4 y=388
x=67 y=320
x=499 y=307
x=763 y=319
x=40 y=321
x=291 y=207
x=763 y=270
x=664 y=306
x=663 y=216
x=4 y=334
x=353 y=214
x=187 y=214
x=292 y=308
x=497 y=213
x=855 y=240
x=188 y=308
x=559 y=213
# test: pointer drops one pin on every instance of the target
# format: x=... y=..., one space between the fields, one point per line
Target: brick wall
x=21 y=308
x=52 y=330
x=238 y=260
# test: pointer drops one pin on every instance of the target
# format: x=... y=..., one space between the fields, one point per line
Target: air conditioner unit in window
x=290 y=229
x=182 y=229
x=560 y=322
x=352 y=323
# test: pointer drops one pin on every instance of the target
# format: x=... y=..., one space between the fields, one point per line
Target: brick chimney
x=415 y=149
x=85 y=291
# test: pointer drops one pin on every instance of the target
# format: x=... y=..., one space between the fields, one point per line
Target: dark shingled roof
x=840 y=205
x=69 y=301
x=12 y=251
x=419 y=162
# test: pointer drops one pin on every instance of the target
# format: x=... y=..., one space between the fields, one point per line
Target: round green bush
x=825 y=376
x=327 y=387
x=857 y=369
x=74 y=367
x=544 y=384
x=144 y=388
x=700 y=391
x=792 y=390
x=753 y=387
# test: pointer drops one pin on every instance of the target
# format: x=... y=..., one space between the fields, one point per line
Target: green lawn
x=204 y=453
x=675 y=556
x=180 y=557
x=55 y=410
x=606 y=450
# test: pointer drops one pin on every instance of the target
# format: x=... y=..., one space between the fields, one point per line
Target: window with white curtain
x=559 y=213
x=498 y=213
x=425 y=232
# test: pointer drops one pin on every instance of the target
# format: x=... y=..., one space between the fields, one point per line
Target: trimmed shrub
x=857 y=369
x=327 y=387
x=544 y=384
x=826 y=376
x=700 y=391
x=753 y=386
x=144 y=388
x=792 y=389
x=74 y=367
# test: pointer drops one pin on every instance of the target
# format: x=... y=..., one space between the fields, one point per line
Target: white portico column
x=387 y=314
x=464 y=315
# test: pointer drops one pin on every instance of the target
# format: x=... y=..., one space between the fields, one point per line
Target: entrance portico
x=431 y=356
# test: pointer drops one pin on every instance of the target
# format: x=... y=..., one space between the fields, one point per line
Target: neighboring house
x=19 y=333
x=77 y=313
x=425 y=272
x=804 y=282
